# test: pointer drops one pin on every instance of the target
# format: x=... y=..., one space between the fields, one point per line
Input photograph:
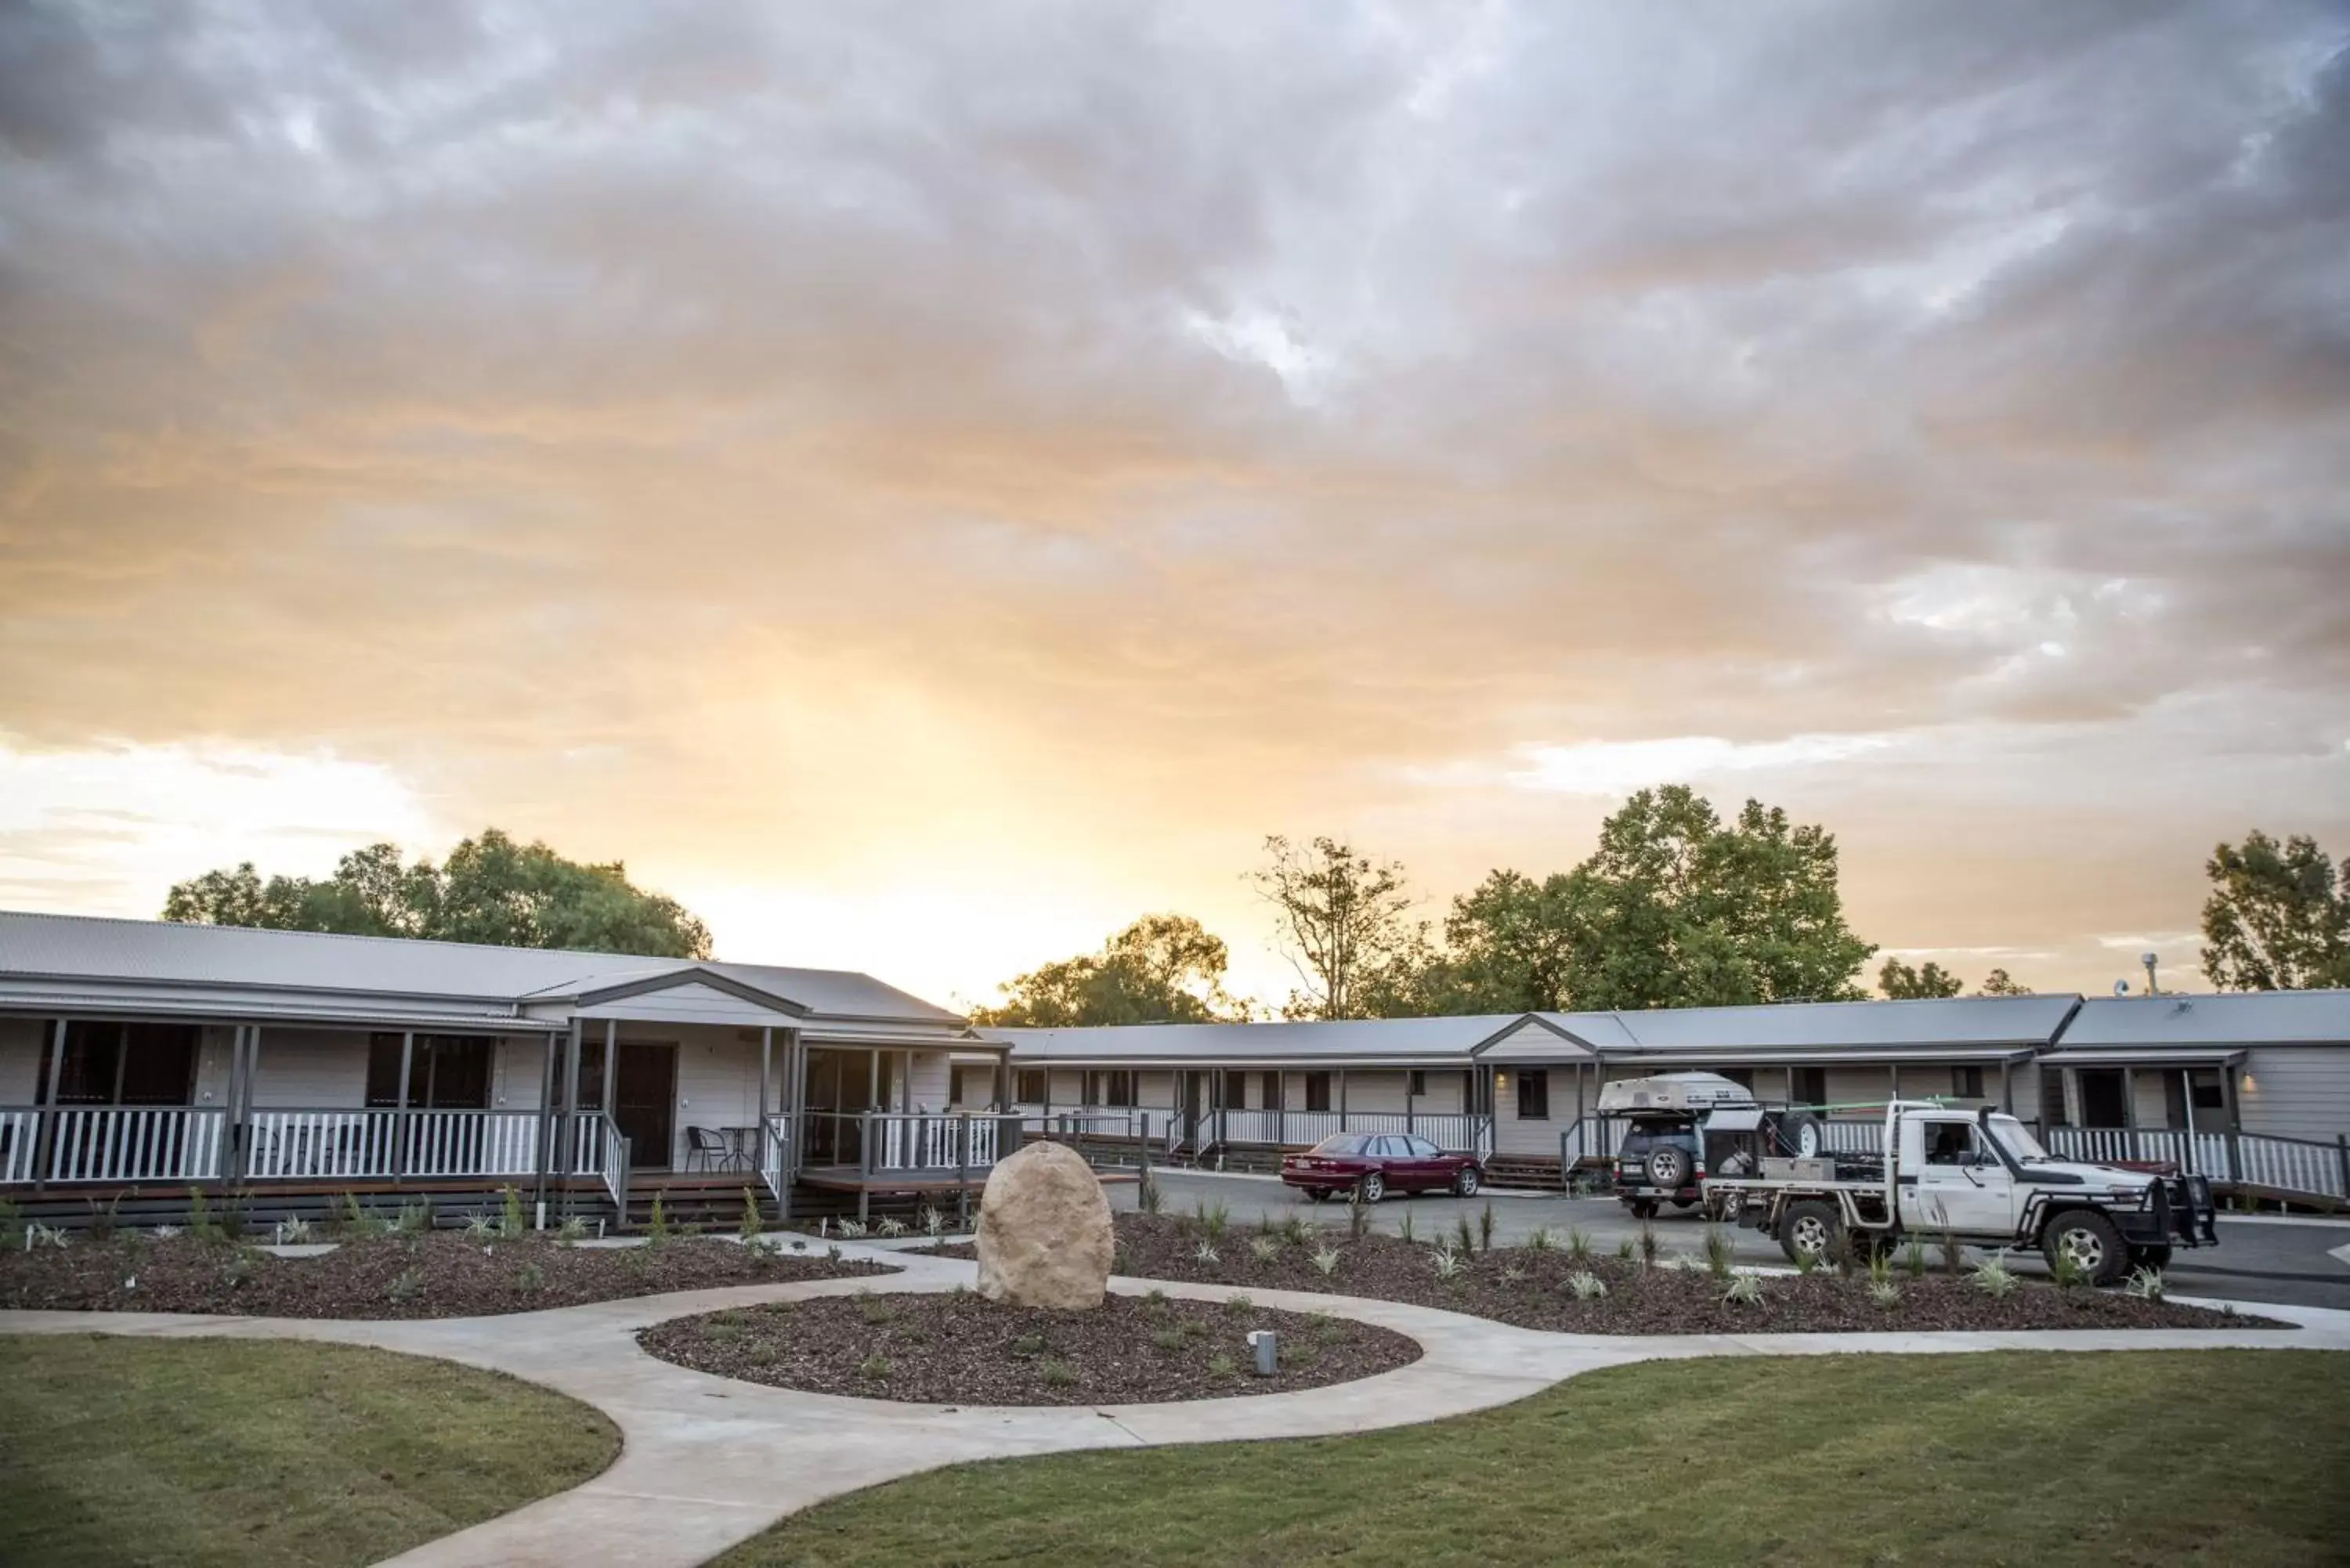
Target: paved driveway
x=2257 y=1259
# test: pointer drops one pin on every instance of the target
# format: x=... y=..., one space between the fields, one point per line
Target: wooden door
x=644 y=1097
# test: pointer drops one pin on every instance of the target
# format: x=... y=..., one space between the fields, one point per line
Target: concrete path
x=709 y=1461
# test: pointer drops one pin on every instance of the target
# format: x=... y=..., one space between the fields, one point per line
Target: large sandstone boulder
x=1044 y=1231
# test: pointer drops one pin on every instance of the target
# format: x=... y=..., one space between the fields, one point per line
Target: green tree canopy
x=2276 y=920
x=489 y=890
x=1900 y=982
x=1675 y=908
x=1340 y=920
x=1997 y=983
x=1162 y=968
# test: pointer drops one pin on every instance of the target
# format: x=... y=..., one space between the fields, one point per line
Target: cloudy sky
x=926 y=484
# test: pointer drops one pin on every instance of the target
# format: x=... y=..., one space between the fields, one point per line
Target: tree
x=1899 y=983
x=1997 y=983
x=1162 y=968
x=2275 y=919
x=1677 y=908
x=489 y=890
x=1340 y=920
x=1512 y=946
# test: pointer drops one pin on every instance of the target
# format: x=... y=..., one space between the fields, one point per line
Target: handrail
x=618 y=1152
x=774 y=1153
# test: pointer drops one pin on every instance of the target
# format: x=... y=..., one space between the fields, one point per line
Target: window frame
x=1533 y=1094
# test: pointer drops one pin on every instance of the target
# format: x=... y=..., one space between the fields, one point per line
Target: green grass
x=2215 y=1457
x=200 y=1451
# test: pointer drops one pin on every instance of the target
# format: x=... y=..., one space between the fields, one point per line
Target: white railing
x=922 y=1141
x=2250 y=1159
x=128 y=1143
x=1156 y=1123
x=328 y=1146
x=19 y=1130
x=587 y=1144
x=775 y=1154
x=1455 y=1132
x=615 y=1166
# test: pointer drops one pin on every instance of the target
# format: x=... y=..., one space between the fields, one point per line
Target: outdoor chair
x=710 y=1148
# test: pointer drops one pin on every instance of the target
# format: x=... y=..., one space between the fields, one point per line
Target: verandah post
x=403 y=1123
x=2342 y=1149
x=44 y=1090
x=546 y=1109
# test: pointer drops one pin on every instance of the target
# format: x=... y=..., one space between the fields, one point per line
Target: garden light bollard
x=1267 y=1351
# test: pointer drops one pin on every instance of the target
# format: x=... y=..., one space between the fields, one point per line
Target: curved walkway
x=709 y=1461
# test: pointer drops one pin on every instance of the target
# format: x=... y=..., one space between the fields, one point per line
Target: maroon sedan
x=1372 y=1165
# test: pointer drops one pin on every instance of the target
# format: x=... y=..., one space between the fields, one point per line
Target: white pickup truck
x=1979 y=1176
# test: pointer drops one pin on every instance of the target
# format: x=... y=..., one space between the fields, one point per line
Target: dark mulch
x=1531 y=1290
x=960 y=1348
x=438 y=1274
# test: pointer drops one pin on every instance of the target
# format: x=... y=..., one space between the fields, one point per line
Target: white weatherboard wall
x=717 y=1076
x=2295 y=1091
x=311 y=1067
x=20 y=1059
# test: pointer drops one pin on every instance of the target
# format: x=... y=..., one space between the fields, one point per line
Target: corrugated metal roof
x=2238 y=1018
x=1353 y=1040
x=150 y=952
x=2013 y=1021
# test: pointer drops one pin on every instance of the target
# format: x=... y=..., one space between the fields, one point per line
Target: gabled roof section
x=2236 y=1018
x=68 y=954
x=1406 y=1041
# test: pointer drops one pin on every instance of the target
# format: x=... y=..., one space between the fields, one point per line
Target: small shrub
x=854 y=1230
x=1027 y=1346
x=1294 y=1229
x=658 y=1228
x=1223 y=1366
x=238 y=1269
x=1994 y=1278
x=1358 y=1218
x=1405 y=1229
x=360 y=1221
x=101 y=1229
x=1266 y=1248
x=1239 y=1305
x=2145 y=1285
x=1808 y=1263
x=1450 y=1265
x=1649 y=1248
x=37 y=1235
x=1587 y=1285
x=1627 y=1250
x=1167 y=1339
x=407 y=1286
x=1540 y=1241
x=166 y=1233
x=480 y=1227
x=1206 y=1255
x=12 y=1225
x=2066 y=1271
x=933 y=1223
x=530 y=1278
x=1325 y=1258
x=1512 y=1274
x=294 y=1231
x=1913 y=1259
x=1148 y=1198
x=754 y=1218
x=1578 y=1243
x=1215 y=1219
x=414 y=1219
x=1746 y=1290
x=1464 y=1240
x=875 y=1309
x=1954 y=1253
x=1717 y=1252
x=572 y=1231
x=1154 y=1301
x=511 y=1223
x=760 y=1354
x=1485 y=1228
x=832 y=1254
x=1885 y=1294
x=875 y=1367
x=1880 y=1267
x=201 y=1226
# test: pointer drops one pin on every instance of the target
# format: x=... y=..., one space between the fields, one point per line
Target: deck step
x=1523 y=1172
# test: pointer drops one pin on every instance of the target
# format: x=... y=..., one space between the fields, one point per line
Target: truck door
x=1960 y=1184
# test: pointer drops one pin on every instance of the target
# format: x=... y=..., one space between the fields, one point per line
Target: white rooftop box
x=1696 y=1093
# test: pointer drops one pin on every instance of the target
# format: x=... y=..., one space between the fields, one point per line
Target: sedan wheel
x=1374 y=1188
x=1465 y=1184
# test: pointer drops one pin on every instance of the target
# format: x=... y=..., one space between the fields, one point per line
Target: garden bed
x=432 y=1274
x=960 y=1348
x=1534 y=1287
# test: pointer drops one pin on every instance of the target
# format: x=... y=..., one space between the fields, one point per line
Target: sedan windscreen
x=1342 y=1143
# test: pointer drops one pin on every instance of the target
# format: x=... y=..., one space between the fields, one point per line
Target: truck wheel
x=2090 y=1241
x=1668 y=1166
x=1800 y=1136
x=2155 y=1258
x=1809 y=1229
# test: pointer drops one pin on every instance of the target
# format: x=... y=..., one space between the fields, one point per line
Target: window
x=1809 y=1087
x=126 y=1064
x=1421 y=1149
x=2206 y=1093
x=1317 y=1091
x=973 y=1087
x=1966 y=1082
x=1270 y=1098
x=445 y=1072
x=1416 y=1083
x=1031 y=1088
x=1112 y=1089
x=1951 y=1143
x=1533 y=1094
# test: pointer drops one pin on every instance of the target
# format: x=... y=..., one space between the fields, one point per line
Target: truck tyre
x=1668 y=1166
x=1809 y=1226
x=1800 y=1136
x=2089 y=1239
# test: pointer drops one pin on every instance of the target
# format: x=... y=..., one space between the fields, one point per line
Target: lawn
x=198 y=1451
x=2219 y=1456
